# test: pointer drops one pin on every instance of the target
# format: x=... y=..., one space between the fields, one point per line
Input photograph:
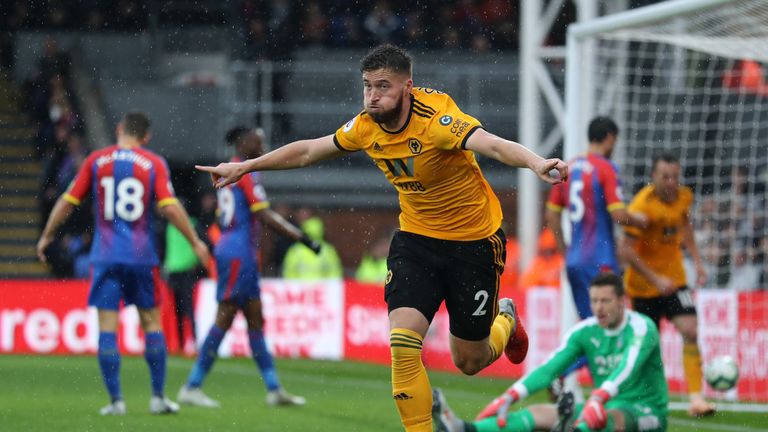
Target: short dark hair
x=609 y=278
x=664 y=157
x=600 y=128
x=387 y=57
x=235 y=134
x=136 y=124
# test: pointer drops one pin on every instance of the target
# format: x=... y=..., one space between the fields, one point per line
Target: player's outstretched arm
x=176 y=215
x=61 y=211
x=514 y=154
x=297 y=154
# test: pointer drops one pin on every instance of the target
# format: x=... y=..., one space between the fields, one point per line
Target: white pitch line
x=700 y=425
x=725 y=407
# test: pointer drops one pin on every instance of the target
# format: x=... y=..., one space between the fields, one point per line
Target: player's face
x=384 y=94
x=251 y=145
x=666 y=179
x=607 y=307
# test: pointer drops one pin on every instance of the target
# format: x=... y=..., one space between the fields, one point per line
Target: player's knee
x=469 y=365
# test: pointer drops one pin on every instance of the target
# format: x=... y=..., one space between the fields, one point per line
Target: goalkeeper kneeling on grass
x=622 y=347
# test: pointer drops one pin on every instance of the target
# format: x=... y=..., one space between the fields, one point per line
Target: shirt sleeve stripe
x=259 y=206
x=167 y=202
x=70 y=199
x=338 y=144
x=554 y=207
x=616 y=206
x=466 y=137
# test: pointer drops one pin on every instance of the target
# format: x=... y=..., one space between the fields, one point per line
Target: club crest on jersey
x=348 y=126
x=414 y=145
x=446 y=120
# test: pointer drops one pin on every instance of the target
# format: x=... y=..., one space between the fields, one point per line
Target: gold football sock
x=692 y=367
x=410 y=383
x=500 y=330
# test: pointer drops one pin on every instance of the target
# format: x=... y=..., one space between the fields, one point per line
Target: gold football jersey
x=442 y=191
x=659 y=245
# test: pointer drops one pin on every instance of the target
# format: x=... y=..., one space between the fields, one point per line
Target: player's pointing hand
x=552 y=171
x=223 y=173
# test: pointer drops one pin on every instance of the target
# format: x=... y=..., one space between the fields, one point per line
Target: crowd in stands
x=274 y=28
x=59 y=145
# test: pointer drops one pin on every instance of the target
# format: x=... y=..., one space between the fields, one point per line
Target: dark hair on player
x=664 y=157
x=600 y=128
x=136 y=124
x=235 y=134
x=609 y=279
x=387 y=57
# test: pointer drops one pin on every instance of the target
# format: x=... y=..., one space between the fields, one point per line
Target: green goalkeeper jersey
x=625 y=361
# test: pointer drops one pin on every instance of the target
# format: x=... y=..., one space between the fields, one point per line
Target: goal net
x=689 y=77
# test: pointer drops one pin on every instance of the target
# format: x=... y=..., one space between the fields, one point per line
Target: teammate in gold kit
x=655 y=279
x=450 y=246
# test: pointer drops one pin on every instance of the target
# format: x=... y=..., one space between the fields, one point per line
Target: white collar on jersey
x=617 y=330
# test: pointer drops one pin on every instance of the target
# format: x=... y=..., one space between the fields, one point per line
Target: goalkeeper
x=624 y=355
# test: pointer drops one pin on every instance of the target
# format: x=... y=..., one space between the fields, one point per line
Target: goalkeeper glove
x=500 y=407
x=312 y=244
x=594 y=414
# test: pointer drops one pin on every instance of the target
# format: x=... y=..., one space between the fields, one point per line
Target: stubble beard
x=385 y=117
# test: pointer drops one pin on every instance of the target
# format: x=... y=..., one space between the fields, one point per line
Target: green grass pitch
x=56 y=393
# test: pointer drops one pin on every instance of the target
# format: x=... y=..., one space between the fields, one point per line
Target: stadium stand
x=19 y=171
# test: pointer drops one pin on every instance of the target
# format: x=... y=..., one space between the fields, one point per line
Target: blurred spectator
x=747 y=76
x=281 y=243
x=314 y=25
x=382 y=23
x=373 y=265
x=744 y=271
x=301 y=263
x=546 y=267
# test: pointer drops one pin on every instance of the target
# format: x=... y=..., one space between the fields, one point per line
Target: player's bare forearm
x=297 y=154
x=623 y=217
x=516 y=155
x=294 y=155
x=61 y=211
x=554 y=223
x=279 y=224
x=177 y=215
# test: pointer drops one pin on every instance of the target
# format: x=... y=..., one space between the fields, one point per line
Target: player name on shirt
x=124 y=155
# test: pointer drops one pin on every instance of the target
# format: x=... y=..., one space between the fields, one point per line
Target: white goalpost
x=689 y=77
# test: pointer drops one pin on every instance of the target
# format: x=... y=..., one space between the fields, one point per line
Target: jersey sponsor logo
x=349 y=124
x=414 y=145
x=459 y=127
x=377 y=147
x=446 y=120
x=414 y=186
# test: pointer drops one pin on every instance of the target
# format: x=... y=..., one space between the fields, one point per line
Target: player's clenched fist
x=594 y=414
x=223 y=173
x=499 y=407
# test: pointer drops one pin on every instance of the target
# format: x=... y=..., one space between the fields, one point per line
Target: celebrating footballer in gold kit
x=450 y=247
x=426 y=163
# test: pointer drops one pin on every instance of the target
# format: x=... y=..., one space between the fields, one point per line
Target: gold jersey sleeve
x=660 y=244
x=441 y=188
